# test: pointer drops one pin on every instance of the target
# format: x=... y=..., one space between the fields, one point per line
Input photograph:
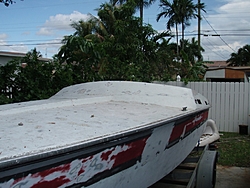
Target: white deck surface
x=31 y=129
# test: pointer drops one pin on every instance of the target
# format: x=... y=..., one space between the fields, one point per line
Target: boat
x=100 y=134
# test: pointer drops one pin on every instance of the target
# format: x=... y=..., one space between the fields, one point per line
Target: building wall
x=4 y=60
x=229 y=73
x=220 y=73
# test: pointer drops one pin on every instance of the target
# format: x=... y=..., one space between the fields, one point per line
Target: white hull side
x=159 y=156
x=156 y=161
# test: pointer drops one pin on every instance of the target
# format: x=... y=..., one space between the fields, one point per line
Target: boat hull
x=135 y=159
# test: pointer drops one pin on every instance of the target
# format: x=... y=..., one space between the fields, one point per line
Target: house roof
x=12 y=54
x=19 y=54
x=216 y=64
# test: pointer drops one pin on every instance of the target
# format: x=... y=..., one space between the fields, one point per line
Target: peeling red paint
x=105 y=155
x=135 y=150
x=61 y=169
x=187 y=126
x=57 y=182
x=42 y=174
x=116 y=156
x=82 y=170
x=17 y=180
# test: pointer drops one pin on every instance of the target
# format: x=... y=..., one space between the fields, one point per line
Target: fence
x=230 y=102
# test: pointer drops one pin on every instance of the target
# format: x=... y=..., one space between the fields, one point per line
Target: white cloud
x=232 y=23
x=26 y=33
x=3 y=43
x=3 y=36
x=57 y=25
x=50 y=48
x=60 y=22
x=46 y=31
x=5 y=46
x=235 y=5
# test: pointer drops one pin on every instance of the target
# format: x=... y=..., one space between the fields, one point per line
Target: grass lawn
x=234 y=150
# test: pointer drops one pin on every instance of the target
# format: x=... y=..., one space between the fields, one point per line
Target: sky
x=30 y=24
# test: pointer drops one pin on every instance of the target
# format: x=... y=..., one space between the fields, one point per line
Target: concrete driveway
x=233 y=177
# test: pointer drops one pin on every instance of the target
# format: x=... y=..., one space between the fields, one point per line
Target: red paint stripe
x=17 y=180
x=124 y=153
x=61 y=169
x=186 y=126
x=43 y=174
x=176 y=132
x=57 y=182
x=135 y=150
x=190 y=125
x=105 y=155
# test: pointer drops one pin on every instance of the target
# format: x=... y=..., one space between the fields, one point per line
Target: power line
x=38 y=44
x=217 y=33
x=214 y=44
x=207 y=30
x=218 y=54
x=215 y=52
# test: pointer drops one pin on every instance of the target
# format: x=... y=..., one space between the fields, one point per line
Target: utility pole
x=199 y=26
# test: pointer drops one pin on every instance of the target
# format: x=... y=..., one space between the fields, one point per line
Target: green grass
x=234 y=150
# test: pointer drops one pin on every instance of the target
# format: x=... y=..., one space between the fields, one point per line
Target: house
x=5 y=57
x=219 y=71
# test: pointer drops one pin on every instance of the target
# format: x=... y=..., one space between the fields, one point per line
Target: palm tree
x=241 y=58
x=170 y=10
x=88 y=29
x=191 y=48
x=187 y=11
x=7 y=2
x=98 y=28
x=179 y=12
x=140 y=4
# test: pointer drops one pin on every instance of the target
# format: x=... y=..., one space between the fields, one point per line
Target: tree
x=179 y=12
x=188 y=10
x=140 y=4
x=164 y=66
x=7 y=74
x=7 y=2
x=170 y=10
x=191 y=48
x=30 y=78
x=241 y=58
x=32 y=81
x=191 y=66
x=83 y=49
x=128 y=50
x=80 y=56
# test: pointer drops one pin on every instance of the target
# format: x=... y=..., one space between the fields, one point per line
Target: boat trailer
x=196 y=171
